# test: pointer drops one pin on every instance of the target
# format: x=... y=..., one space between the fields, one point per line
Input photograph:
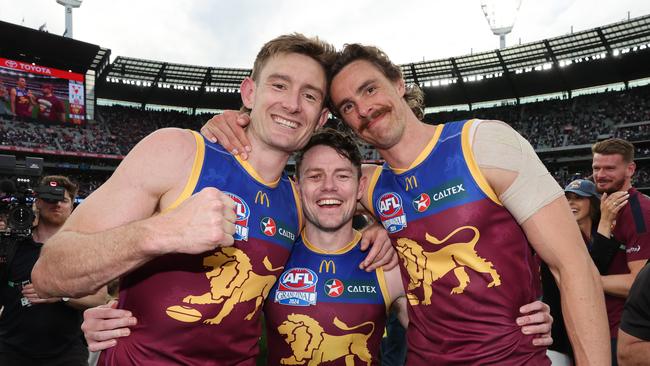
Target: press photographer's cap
x=582 y=187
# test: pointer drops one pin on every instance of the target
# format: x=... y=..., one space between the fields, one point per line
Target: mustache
x=365 y=121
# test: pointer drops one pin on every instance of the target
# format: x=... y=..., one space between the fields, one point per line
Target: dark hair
x=343 y=144
x=64 y=182
x=615 y=146
x=413 y=96
x=594 y=210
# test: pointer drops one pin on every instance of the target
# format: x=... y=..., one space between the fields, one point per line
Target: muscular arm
x=554 y=234
x=620 y=284
x=397 y=295
x=634 y=332
x=631 y=350
x=99 y=298
x=113 y=231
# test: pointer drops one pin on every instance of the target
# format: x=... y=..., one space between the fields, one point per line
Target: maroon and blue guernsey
x=23 y=103
x=324 y=310
x=204 y=309
x=466 y=264
x=632 y=230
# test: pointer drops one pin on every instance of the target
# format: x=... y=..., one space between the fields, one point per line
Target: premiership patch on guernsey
x=297 y=287
x=391 y=212
x=242 y=213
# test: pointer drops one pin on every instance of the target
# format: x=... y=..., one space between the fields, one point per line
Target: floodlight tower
x=69 y=5
x=501 y=16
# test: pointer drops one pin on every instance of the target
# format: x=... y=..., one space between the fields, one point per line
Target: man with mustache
x=613 y=168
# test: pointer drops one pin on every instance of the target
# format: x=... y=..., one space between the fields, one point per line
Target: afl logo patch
x=297 y=286
x=242 y=213
x=391 y=212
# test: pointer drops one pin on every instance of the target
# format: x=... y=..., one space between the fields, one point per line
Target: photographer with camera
x=36 y=331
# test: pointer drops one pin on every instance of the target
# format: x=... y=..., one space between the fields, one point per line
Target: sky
x=229 y=33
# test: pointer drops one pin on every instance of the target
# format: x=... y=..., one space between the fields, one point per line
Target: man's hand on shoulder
x=381 y=251
x=228 y=129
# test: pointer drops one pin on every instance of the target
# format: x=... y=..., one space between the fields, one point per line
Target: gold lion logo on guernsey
x=232 y=281
x=311 y=345
x=424 y=268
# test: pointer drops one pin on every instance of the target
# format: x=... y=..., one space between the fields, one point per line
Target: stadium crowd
x=546 y=124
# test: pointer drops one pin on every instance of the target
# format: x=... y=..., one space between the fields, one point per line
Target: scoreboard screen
x=29 y=90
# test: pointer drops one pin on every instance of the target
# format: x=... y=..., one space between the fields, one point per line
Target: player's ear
x=363 y=185
x=247 y=88
x=323 y=117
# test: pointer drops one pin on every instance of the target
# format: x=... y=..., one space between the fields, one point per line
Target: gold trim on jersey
x=194 y=174
x=345 y=249
x=253 y=173
x=372 y=183
x=425 y=152
x=381 y=279
x=296 y=197
x=468 y=154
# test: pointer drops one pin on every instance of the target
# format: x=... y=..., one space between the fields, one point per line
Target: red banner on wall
x=41 y=70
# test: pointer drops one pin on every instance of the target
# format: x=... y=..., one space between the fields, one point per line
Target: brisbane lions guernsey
x=466 y=264
x=23 y=103
x=325 y=310
x=204 y=309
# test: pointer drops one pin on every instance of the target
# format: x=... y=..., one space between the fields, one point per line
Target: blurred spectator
x=50 y=107
x=22 y=99
x=613 y=168
x=34 y=330
x=4 y=99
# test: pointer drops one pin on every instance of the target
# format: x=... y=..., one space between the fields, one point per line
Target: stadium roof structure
x=47 y=49
x=613 y=53
x=156 y=82
x=618 y=52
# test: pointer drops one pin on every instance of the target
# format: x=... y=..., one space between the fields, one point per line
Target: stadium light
x=69 y=5
x=501 y=16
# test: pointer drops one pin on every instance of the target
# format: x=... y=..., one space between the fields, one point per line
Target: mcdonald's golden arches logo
x=411 y=182
x=262 y=198
x=327 y=263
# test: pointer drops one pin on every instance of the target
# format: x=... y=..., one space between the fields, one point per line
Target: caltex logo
x=334 y=287
x=422 y=202
x=268 y=226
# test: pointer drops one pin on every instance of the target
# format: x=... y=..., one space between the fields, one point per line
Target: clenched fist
x=201 y=223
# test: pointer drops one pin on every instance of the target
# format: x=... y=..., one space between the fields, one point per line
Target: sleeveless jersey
x=204 y=309
x=325 y=310
x=466 y=264
x=23 y=103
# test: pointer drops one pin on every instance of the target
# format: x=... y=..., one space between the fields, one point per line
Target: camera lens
x=20 y=217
